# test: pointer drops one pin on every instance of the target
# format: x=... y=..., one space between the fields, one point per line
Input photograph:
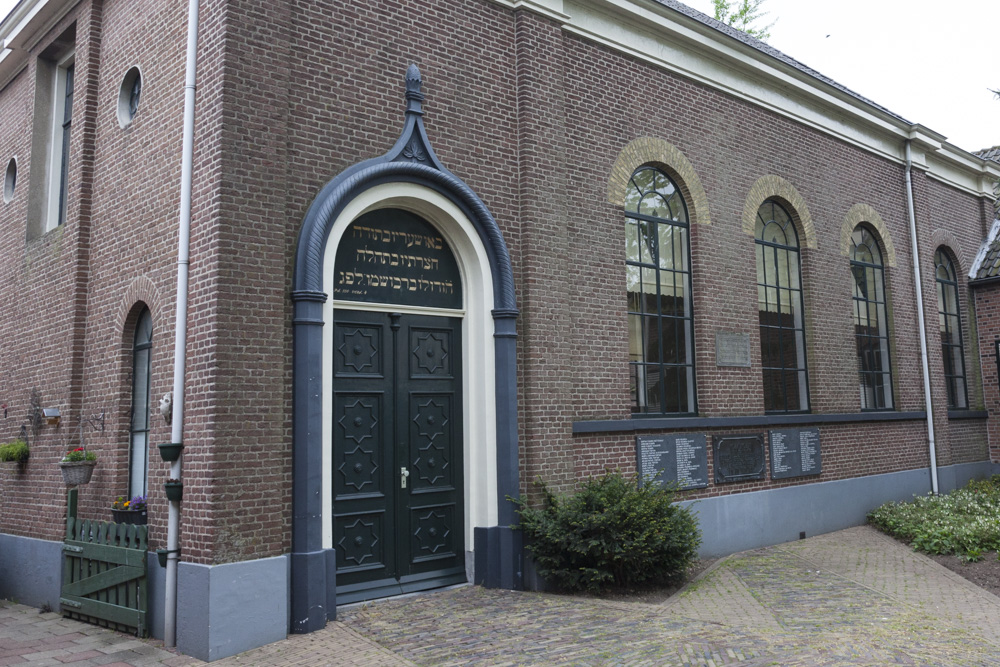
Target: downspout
x=180 y=323
x=920 y=321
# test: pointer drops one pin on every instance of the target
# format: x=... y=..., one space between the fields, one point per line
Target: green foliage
x=79 y=454
x=611 y=531
x=14 y=451
x=743 y=16
x=965 y=522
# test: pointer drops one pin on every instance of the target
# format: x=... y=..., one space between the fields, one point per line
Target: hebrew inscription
x=392 y=256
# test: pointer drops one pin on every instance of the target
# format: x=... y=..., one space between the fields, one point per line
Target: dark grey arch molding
x=412 y=160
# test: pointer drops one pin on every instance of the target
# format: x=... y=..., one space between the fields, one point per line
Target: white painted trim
x=479 y=364
x=661 y=36
x=399 y=308
x=22 y=28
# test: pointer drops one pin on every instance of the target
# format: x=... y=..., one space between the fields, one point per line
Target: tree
x=741 y=18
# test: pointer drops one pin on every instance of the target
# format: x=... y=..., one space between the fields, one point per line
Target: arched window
x=950 y=322
x=779 y=305
x=658 y=276
x=871 y=326
x=139 y=429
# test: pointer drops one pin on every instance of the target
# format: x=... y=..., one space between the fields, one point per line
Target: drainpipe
x=180 y=322
x=920 y=320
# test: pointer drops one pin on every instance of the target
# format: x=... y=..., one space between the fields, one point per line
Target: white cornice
x=21 y=30
x=659 y=35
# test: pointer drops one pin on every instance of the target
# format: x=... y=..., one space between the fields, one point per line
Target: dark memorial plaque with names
x=738 y=458
x=795 y=453
x=393 y=256
x=673 y=459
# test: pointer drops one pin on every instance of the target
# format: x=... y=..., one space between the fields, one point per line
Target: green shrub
x=966 y=522
x=610 y=532
x=14 y=451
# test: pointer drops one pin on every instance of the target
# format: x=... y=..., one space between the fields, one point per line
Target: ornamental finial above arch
x=657 y=152
x=864 y=213
x=775 y=187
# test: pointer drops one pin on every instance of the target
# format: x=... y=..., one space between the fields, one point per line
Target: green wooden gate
x=104 y=573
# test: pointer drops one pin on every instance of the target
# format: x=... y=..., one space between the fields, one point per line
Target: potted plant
x=174 y=489
x=14 y=452
x=77 y=466
x=132 y=511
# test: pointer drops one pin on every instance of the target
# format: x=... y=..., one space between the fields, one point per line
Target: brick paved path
x=854 y=597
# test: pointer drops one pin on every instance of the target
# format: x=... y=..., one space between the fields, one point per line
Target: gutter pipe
x=921 y=324
x=180 y=323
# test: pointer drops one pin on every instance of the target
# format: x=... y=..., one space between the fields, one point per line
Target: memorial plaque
x=392 y=256
x=738 y=458
x=795 y=453
x=732 y=349
x=673 y=459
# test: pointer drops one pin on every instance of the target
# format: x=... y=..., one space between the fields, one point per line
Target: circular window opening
x=128 y=97
x=10 y=180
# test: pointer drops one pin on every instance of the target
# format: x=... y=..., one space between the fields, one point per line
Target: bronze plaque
x=738 y=458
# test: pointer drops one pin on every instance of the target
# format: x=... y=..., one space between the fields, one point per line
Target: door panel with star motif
x=397 y=464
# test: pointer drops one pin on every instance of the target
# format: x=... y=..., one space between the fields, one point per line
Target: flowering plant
x=77 y=455
x=135 y=503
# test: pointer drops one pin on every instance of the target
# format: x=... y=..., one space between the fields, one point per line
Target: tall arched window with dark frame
x=780 y=311
x=658 y=278
x=871 y=323
x=142 y=349
x=950 y=325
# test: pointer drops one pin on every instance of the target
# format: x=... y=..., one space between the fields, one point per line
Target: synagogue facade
x=440 y=250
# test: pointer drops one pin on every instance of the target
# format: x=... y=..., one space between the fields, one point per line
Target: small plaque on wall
x=795 y=453
x=732 y=349
x=673 y=459
x=738 y=458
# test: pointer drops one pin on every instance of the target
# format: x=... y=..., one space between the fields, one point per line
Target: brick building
x=583 y=235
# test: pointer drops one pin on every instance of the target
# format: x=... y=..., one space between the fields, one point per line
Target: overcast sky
x=931 y=63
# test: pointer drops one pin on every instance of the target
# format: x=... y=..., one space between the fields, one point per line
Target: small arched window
x=658 y=277
x=950 y=323
x=139 y=429
x=780 y=311
x=871 y=325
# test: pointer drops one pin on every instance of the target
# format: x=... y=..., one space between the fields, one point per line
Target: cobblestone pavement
x=854 y=597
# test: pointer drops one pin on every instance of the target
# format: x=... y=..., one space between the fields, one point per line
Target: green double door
x=397 y=453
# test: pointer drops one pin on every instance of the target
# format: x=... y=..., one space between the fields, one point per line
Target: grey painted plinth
x=226 y=609
x=762 y=518
x=30 y=571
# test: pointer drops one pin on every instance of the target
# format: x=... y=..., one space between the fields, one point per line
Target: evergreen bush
x=16 y=451
x=610 y=532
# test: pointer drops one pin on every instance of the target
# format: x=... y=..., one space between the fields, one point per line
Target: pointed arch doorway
x=408 y=178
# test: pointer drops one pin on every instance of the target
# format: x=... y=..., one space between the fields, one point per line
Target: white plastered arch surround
x=478 y=356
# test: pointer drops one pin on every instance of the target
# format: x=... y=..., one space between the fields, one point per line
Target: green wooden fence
x=104 y=572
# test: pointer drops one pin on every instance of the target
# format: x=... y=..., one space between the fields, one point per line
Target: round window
x=10 y=180
x=128 y=97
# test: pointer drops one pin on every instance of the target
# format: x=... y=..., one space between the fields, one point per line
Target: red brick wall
x=291 y=93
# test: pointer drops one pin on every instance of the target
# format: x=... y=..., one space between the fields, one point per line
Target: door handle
x=403 y=474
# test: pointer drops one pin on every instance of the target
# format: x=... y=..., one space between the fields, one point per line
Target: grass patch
x=965 y=522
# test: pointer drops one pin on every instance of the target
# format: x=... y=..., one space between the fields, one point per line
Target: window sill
x=968 y=414
x=660 y=423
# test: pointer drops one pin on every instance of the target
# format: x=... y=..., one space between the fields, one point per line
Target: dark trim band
x=659 y=424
